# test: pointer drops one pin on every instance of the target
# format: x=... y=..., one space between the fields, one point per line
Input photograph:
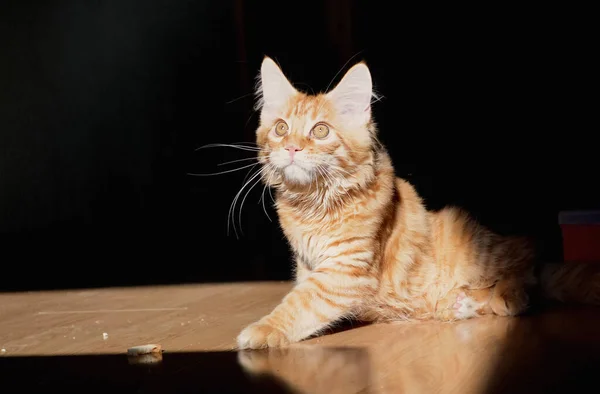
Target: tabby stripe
x=350 y=251
x=287 y=313
x=354 y=263
x=343 y=270
x=324 y=289
x=307 y=306
x=304 y=302
x=290 y=301
x=276 y=323
x=321 y=317
x=329 y=302
x=347 y=240
x=354 y=260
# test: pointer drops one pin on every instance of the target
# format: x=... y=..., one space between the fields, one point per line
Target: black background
x=102 y=104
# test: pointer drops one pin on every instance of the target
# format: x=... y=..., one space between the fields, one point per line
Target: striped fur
x=365 y=245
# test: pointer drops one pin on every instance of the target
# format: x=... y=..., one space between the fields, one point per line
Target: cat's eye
x=320 y=131
x=281 y=128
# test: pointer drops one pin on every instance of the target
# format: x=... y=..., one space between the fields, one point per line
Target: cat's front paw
x=261 y=335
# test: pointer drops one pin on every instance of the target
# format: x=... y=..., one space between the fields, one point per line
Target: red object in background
x=581 y=235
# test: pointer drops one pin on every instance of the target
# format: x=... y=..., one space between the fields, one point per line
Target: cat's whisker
x=322 y=173
x=239 y=98
x=249 y=118
x=253 y=144
x=329 y=176
x=336 y=174
x=317 y=180
x=248 y=174
x=271 y=175
x=244 y=199
x=377 y=99
x=263 y=200
x=231 y=213
x=224 y=172
x=342 y=171
x=241 y=147
x=237 y=161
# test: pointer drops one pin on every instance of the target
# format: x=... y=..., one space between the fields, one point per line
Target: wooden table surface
x=543 y=352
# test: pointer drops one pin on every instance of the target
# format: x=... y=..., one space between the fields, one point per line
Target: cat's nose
x=292 y=149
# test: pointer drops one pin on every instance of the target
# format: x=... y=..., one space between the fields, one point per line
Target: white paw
x=260 y=335
x=465 y=307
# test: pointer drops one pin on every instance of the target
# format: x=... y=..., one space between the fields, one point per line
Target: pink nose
x=292 y=149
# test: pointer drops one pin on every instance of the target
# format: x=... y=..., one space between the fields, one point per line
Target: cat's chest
x=308 y=242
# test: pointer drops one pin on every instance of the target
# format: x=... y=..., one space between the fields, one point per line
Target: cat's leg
x=328 y=293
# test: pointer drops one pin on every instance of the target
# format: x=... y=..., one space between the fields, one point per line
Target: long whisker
x=247 y=148
x=244 y=142
x=248 y=174
x=342 y=171
x=316 y=179
x=263 y=201
x=239 y=98
x=328 y=175
x=331 y=172
x=321 y=170
x=237 y=196
x=224 y=172
x=272 y=199
x=244 y=199
x=231 y=213
x=338 y=171
x=238 y=160
x=322 y=173
x=249 y=117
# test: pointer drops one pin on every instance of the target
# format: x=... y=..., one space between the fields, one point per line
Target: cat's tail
x=571 y=283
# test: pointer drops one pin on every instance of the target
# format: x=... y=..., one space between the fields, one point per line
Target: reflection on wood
x=312 y=369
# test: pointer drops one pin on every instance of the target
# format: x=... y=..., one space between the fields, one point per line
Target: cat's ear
x=352 y=96
x=274 y=89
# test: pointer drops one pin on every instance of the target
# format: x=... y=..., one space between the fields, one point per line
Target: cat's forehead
x=308 y=106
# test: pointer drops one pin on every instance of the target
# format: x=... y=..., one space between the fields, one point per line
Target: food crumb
x=3 y=350
x=144 y=349
x=105 y=336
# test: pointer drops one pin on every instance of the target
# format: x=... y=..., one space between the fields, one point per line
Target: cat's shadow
x=344 y=325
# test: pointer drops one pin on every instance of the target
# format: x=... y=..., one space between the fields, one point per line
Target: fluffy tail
x=571 y=283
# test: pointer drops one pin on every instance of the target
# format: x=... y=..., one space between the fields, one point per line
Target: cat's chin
x=295 y=174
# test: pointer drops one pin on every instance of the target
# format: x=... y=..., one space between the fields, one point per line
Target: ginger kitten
x=364 y=244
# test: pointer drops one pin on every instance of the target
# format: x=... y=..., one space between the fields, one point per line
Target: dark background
x=102 y=104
